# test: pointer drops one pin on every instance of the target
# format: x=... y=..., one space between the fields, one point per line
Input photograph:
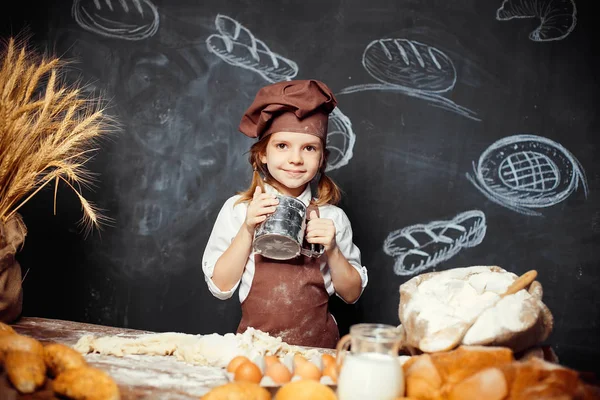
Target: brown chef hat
x=291 y=106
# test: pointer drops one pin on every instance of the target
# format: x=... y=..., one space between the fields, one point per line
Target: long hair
x=328 y=191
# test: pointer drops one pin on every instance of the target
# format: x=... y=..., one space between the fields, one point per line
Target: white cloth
x=231 y=218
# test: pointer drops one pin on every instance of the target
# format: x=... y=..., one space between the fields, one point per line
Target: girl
x=287 y=299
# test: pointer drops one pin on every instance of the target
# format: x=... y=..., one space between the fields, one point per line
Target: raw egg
x=307 y=370
x=235 y=362
x=279 y=373
x=247 y=372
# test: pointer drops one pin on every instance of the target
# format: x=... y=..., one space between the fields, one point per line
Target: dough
x=213 y=350
x=437 y=307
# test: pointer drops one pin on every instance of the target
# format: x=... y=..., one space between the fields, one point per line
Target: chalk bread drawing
x=149 y=217
x=422 y=246
x=340 y=140
x=525 y=172
x=237 y=46
x=557 y=17
x=120 y=19
x=411 y=68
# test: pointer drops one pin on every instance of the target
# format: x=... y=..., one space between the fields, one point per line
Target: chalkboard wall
x=466 y=134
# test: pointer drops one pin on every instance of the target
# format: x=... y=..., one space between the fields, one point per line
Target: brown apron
x=288 y=299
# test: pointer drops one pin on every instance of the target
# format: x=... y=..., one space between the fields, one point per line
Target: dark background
x=179 y=156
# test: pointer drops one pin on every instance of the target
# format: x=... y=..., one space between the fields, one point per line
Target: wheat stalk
x=48 y=131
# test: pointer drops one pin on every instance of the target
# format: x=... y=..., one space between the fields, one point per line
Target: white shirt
x=231 y=218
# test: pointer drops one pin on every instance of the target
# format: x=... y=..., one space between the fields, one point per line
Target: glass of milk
x=371 y=370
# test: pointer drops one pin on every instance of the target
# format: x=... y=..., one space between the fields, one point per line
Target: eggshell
x=235 y=362
x=279 y=373
x=307 y=370
x=247 y=372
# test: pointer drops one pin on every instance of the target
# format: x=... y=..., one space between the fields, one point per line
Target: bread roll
x=489 y=384
x=454 y=366
x=238 y=390
x=59 y=357
x=26 y=371
x=538 y=379
x=20 y=343
x=86 y=383
x=423 y=381
x=5 y=328
x=305 y=389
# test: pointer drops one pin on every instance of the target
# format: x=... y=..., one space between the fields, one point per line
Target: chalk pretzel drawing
x=237 y=46
x=557 y=17
x=122 y=19
x=422 y=246
x=412 y=68
x=525 y=172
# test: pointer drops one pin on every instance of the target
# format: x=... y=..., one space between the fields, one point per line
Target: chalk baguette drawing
x=557 y=17
x=120 y=19
x=526 y=172
x=411 y=68
x=419 y=247
x=236 y=45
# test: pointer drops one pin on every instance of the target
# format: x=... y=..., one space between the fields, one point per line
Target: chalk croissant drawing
x=419 y=247
x=557 y=17
x=526 y=172
x=120 y=19
x=411 y=68
x=237 y=46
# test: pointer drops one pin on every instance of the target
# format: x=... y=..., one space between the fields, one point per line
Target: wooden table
x=138 y=376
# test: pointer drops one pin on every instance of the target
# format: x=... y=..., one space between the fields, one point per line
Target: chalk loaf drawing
x=525 y=172
x=120 y=19
x=412 y=68
x=236 y=45
x=557 y=17
x=422 y=246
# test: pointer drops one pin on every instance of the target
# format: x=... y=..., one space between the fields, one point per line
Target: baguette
x=59 y=358
x=26 y=371
x=489 y=384
x=86 y=383
x=10 y=343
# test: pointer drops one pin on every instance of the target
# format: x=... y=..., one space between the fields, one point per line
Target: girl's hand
x=321 y=231
x=260 y=207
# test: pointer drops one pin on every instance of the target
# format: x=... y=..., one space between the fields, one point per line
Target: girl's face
x=293 y=159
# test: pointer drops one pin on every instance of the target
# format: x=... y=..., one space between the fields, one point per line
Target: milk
x=370 y=376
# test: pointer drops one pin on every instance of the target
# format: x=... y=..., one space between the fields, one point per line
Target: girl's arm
x=230 y=265
x=346 y=279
